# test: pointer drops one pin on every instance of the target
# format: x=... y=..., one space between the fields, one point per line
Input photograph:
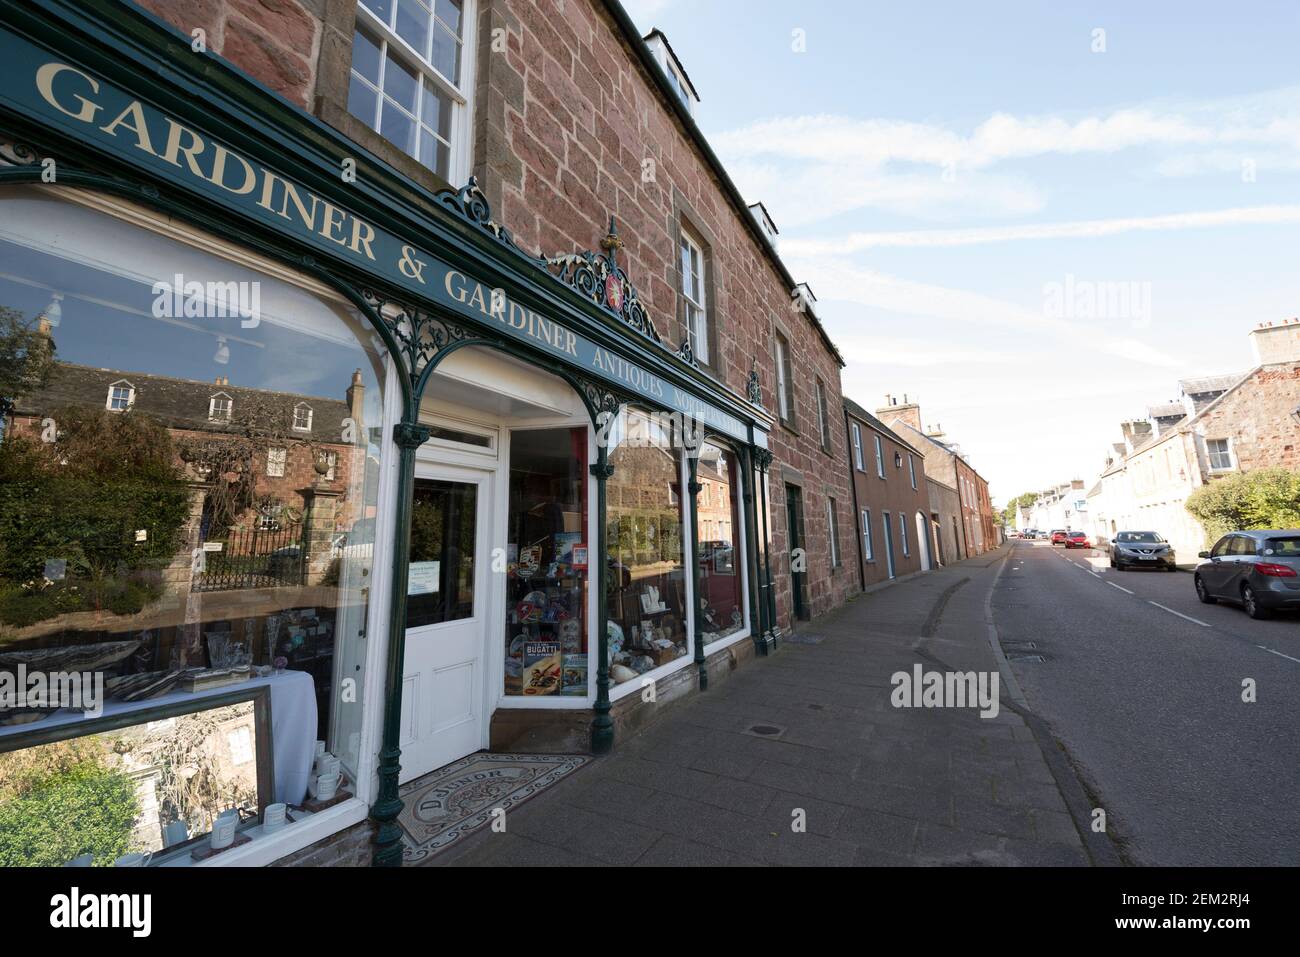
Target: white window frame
x=857 y=448
x=697 y=328
x=461 y=129
x=212 y=407
x=911 y=468
x=272 y=457
x=902 y=534
x=1210 y=455
x=880 y=457
x=130 y=395
x=310 y=413
x=833 y=532
x=869 y=549
x=333 y=459
x=784 y=403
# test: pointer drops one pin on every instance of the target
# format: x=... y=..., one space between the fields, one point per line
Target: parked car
x=1259 y=570
x=1077 y=540
x=1059 y=535
x=1141 y=550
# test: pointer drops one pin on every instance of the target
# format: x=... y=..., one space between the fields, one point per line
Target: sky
x=1033 y=218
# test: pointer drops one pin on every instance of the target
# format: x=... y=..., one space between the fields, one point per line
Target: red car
x=1059 y=536
x=1077 y=540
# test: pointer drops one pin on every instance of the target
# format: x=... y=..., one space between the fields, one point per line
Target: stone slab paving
x=876 y=785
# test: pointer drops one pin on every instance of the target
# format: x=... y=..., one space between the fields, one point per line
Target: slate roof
x=1167 y=410
x=1211 y=383
x=178 y=403
x=858 y=412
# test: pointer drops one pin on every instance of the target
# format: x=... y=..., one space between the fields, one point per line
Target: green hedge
x=86 y=808
x=1266 y=498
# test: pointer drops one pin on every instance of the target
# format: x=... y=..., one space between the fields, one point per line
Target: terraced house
x=599 y=419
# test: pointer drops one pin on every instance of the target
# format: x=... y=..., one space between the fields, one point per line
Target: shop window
x=646 y=574
x=548 y=561
x=150 y=550
x=440 y=581
x=718 y=541
x=410 y=79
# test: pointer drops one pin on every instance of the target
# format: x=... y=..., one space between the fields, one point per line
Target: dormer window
x=220 y=407
x=302 y=417
x=672 y=67
x=121 y=396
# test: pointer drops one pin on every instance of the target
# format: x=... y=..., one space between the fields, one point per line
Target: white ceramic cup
x=327 y=764
x=273 y=818
x=175 y=833
x=320 y=748
x=327 y=785
x=134 y=860
x=223 y=830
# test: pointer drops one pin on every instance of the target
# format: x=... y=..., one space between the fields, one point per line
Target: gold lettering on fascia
x=626 y=372
x=226 y=169
x=505 y=310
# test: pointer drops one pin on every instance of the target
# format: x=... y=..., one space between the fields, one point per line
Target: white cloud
x=1080 y=229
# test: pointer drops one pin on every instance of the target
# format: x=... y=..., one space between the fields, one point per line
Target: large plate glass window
x=548 y=558
x=409 y=79
x=176 y=547
x=718 y=538
x=646 y=575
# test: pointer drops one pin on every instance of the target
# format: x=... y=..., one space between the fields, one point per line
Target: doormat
x=453 y=802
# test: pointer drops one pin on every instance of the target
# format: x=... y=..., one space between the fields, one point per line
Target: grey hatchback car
x=1260 y=570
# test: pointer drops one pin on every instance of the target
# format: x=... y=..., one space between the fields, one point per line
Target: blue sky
x=942 y=172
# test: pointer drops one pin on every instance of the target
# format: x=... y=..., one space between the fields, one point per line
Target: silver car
x=1141 y=550
x=1260 y=570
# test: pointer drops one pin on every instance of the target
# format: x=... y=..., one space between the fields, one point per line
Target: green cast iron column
x=694 y=487
x=602 y=725
x=751 y=545
x=388 y=836
x=770 y=628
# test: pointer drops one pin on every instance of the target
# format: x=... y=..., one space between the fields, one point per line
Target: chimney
x=1274 y=342
x=1135 y=432
x=908 y=412
x=935 y=431
x=356 y=396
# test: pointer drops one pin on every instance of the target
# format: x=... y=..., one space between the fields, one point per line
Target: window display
x=172 y=524
x=646 y=578
x=718 y=537
x=547 y=561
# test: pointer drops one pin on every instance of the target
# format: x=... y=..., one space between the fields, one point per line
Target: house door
x=923 y=541
x=444 y=703
x=798 y=559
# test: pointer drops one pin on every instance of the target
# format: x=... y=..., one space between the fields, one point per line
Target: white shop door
x=444 y=707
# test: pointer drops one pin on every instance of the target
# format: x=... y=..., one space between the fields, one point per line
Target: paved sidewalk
x=878 y=785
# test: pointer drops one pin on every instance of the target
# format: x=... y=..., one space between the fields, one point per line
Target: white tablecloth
x=293 y=724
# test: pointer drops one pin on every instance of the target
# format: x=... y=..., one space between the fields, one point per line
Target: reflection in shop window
x=718 y=537
x=164 y=525
x=548 y=563
x=646 y=578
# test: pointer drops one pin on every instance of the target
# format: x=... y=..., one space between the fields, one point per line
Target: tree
x=26 y=358
x=1265 y=498
x=1009 y=513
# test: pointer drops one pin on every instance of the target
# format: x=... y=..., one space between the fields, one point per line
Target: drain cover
x=766 y=730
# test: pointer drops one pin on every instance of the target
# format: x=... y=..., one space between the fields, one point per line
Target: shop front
x=314 y=480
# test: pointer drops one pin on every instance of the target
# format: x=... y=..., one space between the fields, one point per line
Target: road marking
x=1197 y=621
x=1120 y=587
x=1278 y=653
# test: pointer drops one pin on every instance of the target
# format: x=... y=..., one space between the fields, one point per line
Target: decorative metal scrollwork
x=763 y=459
x=600 y=397
x=420 y=335
x=596 y=276
x=16 y=153
x=753 y=388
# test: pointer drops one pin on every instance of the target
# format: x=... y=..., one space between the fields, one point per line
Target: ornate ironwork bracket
x=753 y=388
x=596 y=276
x=420 y=335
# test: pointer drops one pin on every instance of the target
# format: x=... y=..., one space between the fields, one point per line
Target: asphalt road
x=1149 y=705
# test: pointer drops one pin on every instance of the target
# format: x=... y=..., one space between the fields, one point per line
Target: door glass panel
x=440 y=582
x=718 y=535
x=548 y=561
